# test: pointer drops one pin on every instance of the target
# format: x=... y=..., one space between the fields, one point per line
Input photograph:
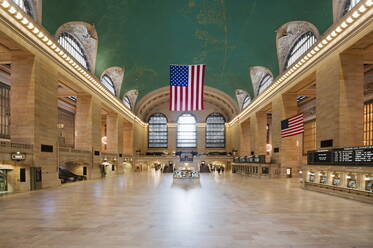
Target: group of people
x=218 y=168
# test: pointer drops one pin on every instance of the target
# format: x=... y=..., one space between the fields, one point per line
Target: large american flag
x=292 y=126
x=186 y=87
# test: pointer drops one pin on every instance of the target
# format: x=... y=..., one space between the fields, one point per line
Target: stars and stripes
x=292 y=126
x=186 y=87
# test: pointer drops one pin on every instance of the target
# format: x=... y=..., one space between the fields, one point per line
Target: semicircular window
x=300 y=47
x=127 y=102
x=108 y=83
x=349 y=5
x=73 y=47
x=246 y=102
x=24 y=5
x=215 y=131
x=186 y=132
x=157 y=131
x=265 y=82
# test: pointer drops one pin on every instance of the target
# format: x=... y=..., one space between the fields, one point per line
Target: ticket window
x=311 y=177
x=351 y=182
x=369 y=183
x=323 y=178
x=3 y=181
x=336 y=181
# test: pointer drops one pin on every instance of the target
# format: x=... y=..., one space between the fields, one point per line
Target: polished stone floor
x=150 y=210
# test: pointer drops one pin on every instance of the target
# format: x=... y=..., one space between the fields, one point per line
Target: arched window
x=349 y=5
x=73 y=47
x=157 y=131
x=186 y=136
x=300 y=47
x=215 y=131
x=108 y=83
x=246 y=102
x=24 y=5
x=127 y=102
x=264 y=83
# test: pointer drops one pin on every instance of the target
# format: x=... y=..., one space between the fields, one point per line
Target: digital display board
x=352 y=156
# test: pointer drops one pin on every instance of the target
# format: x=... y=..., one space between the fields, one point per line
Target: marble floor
x=150 y=210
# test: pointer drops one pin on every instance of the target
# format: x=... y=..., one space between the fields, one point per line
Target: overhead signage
x=351 y=156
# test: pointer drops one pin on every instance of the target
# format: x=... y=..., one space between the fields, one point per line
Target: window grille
x=157 y=131
x=72 y=46
x=215 y=131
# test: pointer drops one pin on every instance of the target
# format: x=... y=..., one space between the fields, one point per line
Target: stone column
x=34 y=112
x=245 y=140
x=127 y=138
x=201 y=137
x=261 y=132
x=283 y=107
x=172 y=136
x=88 y=130
x=340 y=85
x=112 y=133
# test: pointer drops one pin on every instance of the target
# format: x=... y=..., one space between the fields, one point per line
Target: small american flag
x=186 y=87
x=292 y=126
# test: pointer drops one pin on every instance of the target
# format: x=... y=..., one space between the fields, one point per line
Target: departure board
x=344 y=156
x=351 y=156
x=322 y=157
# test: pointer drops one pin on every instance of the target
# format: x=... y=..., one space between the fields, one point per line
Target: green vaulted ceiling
x=146 y=36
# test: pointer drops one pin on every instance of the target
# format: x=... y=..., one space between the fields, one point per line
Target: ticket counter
x=323 y=177
x=336 y=179
x=351 y=181
x=369 y=183
x=311 y=177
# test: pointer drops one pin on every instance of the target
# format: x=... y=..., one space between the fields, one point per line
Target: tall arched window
x=157 y=131
x=246 y=102
x=127 y=102
x=349 y=5
x=108 y=83
x=73 y=47
x=24 y=5
x=264 y=83
x=215 y=131
x=300 y=47
x=186 y=136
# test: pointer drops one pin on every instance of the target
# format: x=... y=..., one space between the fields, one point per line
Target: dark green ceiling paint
x=145 y=36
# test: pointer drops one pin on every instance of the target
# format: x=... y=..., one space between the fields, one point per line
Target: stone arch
x=32 y=7
x=86 y=34
x=241 y=95
x=288 y=34
x=116 y=74
x=158 y=101
x=257 y=73
x=132 y=96
x=339 y=8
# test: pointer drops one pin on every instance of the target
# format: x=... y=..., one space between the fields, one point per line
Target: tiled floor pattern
x=150 y=210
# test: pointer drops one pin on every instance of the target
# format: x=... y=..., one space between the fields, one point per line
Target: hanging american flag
x=292 y=126
x=186 y=87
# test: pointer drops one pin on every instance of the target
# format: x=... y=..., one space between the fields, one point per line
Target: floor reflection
x=186 y=183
